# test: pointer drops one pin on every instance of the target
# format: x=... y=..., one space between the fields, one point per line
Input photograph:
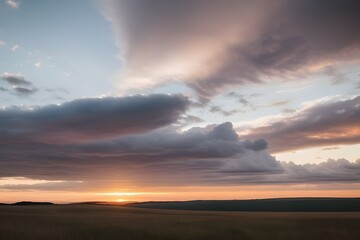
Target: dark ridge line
x=260 y=205
x=28 y=203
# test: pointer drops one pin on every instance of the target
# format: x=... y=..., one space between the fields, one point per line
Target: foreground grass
x=78 y=222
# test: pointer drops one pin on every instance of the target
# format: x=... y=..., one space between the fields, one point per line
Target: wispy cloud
x=20 y=85
x=162 y=41
x=14 y=79
x=25 y=91
x=38 y=64
x=15 y=47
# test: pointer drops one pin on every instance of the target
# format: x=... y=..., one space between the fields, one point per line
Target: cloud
x=15 y=47
x=46 y=186
x=331 y=170
x=337 y=76
x=25 y=91
x=12 y=4
x=168 y=144
x=2 y=43
x=14 y=79
x=38 y=64
x=90 y=119
x=330 y=148
x=213 y=155
x=217 y=109
x=357 y=85
x=193 y=155
x=189 y=119
x=21 y=86
x=162 y=41
x=247 y=104
x=324 y=123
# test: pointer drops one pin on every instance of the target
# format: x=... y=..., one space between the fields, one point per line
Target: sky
x=138 y=100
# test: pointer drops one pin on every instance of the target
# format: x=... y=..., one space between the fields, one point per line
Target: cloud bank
x=130 y=141
x=329 y=122
x=212 y=44
x=90 y=119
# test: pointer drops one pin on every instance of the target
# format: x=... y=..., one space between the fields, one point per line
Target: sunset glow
x=152 y=100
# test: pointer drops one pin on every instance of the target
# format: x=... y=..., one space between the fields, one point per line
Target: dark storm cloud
x=213 y=155
x=255 y=40
x=322 y=124
x=90 y=119
x=214 y=148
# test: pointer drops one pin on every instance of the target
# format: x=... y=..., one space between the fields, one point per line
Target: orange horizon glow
x=185 y=194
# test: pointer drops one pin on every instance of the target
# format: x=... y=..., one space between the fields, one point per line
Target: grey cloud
x=256 y=40
x=167 y=144
x=57 y=90
x=213 y=149
x=337 y=76
x=25 y=91
x=327 y=123
x=217 y=109
x=90 y=119
x=331 y=170
x=246 y=104
x=21 y=86
x=357 y=85
x=15 y=79
x=257 y=145
x=213 y=155
x=189 y=119
x=46 y=186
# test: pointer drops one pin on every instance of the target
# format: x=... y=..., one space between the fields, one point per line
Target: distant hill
x=88 y=203
x=24 y=203
x=261 y=205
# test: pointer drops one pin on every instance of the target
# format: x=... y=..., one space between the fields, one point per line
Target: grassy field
x=77 y=222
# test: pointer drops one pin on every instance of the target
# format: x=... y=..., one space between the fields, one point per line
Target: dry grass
x=78 y=222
